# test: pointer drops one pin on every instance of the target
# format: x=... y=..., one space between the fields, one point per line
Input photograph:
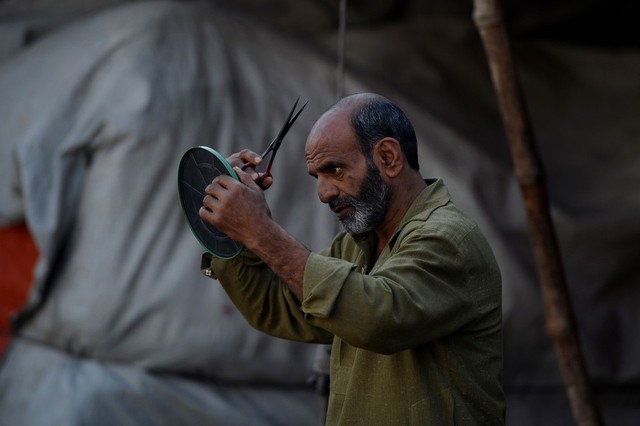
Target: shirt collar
x=433 y=196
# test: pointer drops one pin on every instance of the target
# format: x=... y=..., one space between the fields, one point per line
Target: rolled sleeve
x=323 y=280
x=208 y=262
x=205 y=266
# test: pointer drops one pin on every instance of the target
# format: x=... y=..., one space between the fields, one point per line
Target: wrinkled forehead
x=333 y=130
x=332 y=142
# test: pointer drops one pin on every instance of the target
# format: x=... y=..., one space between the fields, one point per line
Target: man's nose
x=326 y=191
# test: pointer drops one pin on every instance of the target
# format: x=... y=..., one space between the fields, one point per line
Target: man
x=409 y=295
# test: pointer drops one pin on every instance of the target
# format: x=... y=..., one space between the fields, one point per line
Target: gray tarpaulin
x=97 y=111
x=124 y=326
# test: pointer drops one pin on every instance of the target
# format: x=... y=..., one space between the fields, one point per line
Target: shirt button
x=208 y=272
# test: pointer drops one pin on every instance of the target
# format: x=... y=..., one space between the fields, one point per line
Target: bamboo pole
x=560 y=321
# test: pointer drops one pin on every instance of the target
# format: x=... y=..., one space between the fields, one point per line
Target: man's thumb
x=244 y=177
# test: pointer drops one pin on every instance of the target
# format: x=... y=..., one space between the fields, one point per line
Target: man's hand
x=240 y=210
x=248 y=161
x=237 y=208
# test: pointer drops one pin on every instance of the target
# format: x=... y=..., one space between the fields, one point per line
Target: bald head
x=354 y=103
x=371 y=118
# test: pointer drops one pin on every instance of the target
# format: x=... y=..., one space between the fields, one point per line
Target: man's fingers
x=265 y=182
x=246 y=178
x=205 y=213
x=245 y=157
x=222 y=181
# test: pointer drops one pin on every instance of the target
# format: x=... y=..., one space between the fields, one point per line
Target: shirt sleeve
x=262 y=298
x=428 y=286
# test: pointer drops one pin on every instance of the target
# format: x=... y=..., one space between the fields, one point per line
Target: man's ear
x=388 y=154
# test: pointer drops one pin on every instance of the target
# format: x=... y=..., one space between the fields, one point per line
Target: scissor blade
x=293 y=120
x=288 y=125
x=283 y=131
x=275 y=143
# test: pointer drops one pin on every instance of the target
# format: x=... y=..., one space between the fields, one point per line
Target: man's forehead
x=331 y=132
x=335 y=123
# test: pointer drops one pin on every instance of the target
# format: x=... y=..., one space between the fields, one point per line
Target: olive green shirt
x=417 y=335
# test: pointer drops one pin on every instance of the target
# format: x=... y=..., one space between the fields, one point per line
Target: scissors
x=275 y=143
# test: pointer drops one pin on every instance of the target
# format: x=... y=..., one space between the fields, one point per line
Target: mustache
x=340 y=202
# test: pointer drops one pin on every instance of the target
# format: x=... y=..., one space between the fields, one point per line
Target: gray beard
x=370 y=206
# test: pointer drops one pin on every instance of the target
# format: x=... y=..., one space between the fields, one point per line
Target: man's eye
x=336 y=171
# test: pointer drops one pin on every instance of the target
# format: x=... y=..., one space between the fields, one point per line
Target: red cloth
x=18 y=254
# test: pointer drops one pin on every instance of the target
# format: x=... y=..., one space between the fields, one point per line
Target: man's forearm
x=284 y=254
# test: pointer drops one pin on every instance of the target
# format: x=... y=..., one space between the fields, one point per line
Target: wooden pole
x=560 y=321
